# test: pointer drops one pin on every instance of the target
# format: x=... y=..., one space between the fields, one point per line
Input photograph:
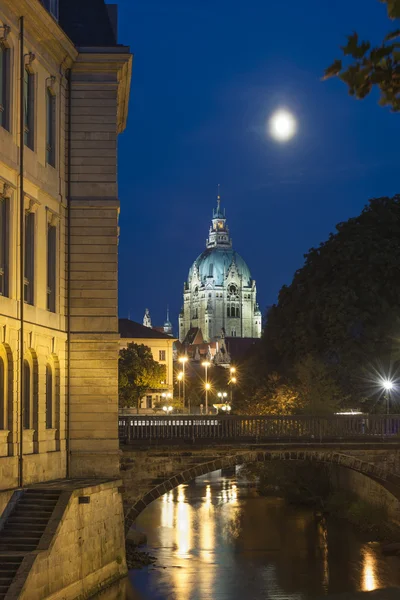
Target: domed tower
x=219 y=293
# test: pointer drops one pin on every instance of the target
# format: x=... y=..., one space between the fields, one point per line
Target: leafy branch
x=372 y=66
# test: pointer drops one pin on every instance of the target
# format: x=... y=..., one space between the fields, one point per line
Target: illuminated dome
x=219 y=297
x=214 y=263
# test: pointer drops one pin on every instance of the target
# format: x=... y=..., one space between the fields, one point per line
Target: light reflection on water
x=218 y=540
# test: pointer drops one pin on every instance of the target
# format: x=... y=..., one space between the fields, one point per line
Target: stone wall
x=81 y=551
x=97 y=96
x=368 y=490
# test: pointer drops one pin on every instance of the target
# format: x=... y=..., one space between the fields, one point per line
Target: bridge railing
x=285 y=428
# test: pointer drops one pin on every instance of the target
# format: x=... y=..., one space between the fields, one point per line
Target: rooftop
x=133 y=330
x=88 y=22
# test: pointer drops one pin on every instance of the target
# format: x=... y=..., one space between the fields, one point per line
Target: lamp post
x=179 y=378
x=232 y=381
x=183 y=360
x=223 y=396
x=387 y=386
x=206 y=364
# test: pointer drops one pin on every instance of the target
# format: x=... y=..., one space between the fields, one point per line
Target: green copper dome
x=214 y=263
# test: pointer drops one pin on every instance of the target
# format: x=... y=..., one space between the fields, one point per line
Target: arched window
x=228 y=311
x=27 y=395
x=237 y=311
x=49 y=397
x=2 y=394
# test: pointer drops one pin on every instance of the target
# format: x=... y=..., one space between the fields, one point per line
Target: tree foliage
x=340 y=316
x=138 y=373
x=365 y=67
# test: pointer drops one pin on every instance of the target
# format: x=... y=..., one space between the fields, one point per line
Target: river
x=217 y=539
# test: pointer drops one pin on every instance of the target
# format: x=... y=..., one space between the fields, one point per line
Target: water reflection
x=217 y=540
x=369 y=583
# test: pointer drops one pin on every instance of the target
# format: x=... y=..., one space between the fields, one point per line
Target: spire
x=219 y=232
x=168 y=324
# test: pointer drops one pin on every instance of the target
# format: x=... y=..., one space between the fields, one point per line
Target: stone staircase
x=23 y=530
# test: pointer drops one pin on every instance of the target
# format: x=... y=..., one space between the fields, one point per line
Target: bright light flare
x=387 y=385
x=282 y=125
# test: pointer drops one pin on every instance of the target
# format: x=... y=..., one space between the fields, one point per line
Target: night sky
x=206 y=76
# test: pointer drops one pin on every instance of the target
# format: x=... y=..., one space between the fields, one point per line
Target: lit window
x=51 y=128
x=161 y=355
x=4 y=232
x=29 y=109
x=29 y=257
x=51 y=267
x=4 y=87
x=49 y=397
x=27 y=395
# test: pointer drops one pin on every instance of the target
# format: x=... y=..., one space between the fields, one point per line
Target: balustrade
x=293 y=428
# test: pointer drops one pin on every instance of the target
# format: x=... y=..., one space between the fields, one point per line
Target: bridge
x=161 y=453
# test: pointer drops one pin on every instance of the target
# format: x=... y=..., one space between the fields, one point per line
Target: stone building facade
x=59 y=336
x=219 y=296
x=162 y=348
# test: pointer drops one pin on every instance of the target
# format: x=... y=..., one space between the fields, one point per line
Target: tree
x=138 y=373
x=337 y=325
x=372 y=66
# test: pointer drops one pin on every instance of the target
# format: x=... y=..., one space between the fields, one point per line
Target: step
x=32 y=511
x=28 y=505
x=28 y=520
x=29 y=526
x=9 y=535
x=20 y=531
x=36 y=502
x=12 y=548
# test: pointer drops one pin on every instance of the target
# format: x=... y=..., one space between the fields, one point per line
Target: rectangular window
x=51 y=267
x=27 y=395
x=49 y=397
x=4 y=227
x=51 y=128
x=29 y=257
x=161 y=355
x=4 y=87
x=148 y=401
x=29 y=109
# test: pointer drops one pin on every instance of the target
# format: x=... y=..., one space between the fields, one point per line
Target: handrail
x=264 y=427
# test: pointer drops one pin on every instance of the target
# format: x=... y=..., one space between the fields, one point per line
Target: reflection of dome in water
x=219 y=295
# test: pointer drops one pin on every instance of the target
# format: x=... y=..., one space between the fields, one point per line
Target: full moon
x=282 y=125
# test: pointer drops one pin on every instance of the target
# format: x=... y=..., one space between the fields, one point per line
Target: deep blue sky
x=206 y=76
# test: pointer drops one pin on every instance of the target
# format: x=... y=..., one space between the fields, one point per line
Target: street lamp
x=183 y=360
x=232 y=381
x=167 y=397
x=388 y=386
x=179 y=378
x=223 y=396
x=206 y=364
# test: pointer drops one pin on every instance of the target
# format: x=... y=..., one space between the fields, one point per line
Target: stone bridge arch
x=379 y=473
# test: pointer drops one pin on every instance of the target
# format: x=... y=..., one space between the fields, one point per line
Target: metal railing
x=265 y=428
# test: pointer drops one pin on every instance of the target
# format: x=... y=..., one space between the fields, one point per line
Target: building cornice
x=116 y=59
x=40 y=25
